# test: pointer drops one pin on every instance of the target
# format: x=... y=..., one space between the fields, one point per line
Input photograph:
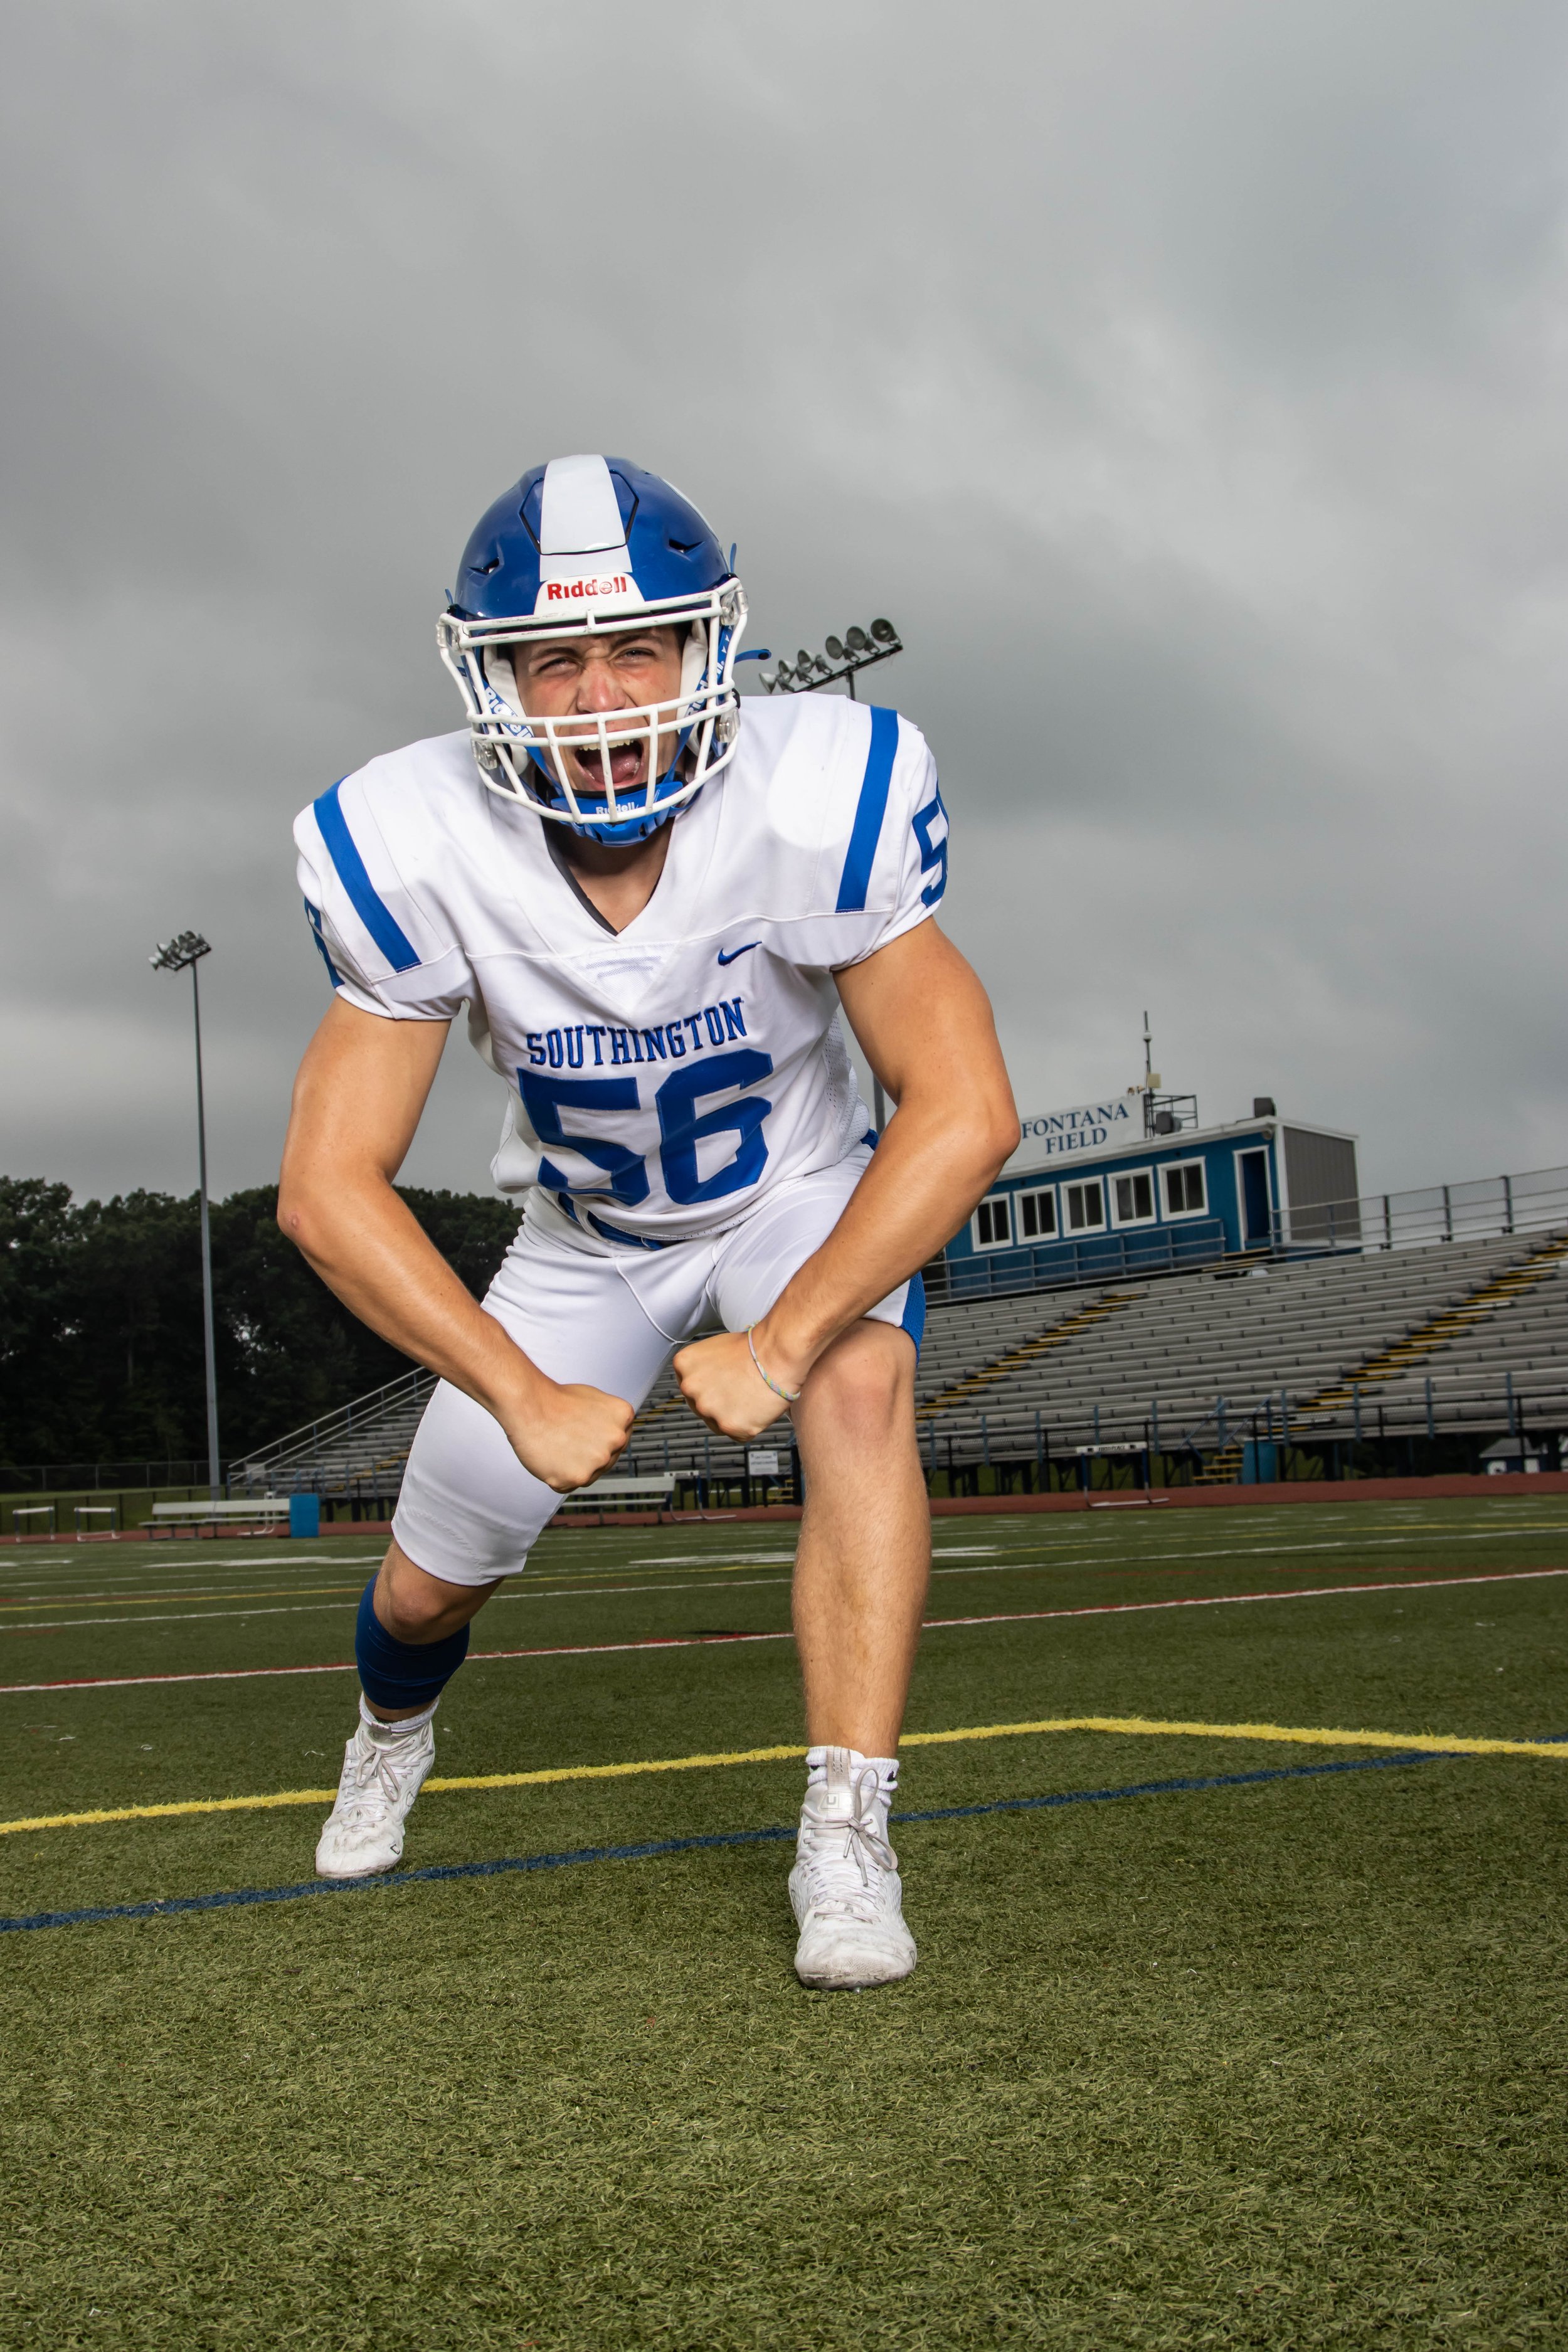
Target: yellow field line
x=1426 y=1742
x=1135 y=1726
x=440 y=1786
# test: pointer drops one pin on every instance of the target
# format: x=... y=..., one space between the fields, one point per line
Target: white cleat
x=845 y=1888
x=364 y=1831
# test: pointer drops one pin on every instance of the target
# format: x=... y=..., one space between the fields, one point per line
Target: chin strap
x=640 y=823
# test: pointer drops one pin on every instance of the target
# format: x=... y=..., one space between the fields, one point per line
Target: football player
x=653 y=901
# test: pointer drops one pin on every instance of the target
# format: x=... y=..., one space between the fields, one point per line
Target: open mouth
x=586 y=764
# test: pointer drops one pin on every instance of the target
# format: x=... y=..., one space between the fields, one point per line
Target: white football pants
x=608 y=1314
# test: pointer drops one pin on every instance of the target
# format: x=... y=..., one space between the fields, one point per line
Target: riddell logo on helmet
x=615 y=584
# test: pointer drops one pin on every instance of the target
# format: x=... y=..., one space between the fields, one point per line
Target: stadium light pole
x=841 y=658
x=184 y=953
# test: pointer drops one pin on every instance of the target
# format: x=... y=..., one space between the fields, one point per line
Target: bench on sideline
x=260 y=1515
x=656 y=1489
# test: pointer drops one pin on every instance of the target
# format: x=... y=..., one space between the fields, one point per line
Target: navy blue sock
x=402 y=1674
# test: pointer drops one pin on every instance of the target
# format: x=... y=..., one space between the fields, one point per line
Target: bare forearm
x=357 y=1099
x=923 y=1022
x=927 y=1172
x=369 y=1249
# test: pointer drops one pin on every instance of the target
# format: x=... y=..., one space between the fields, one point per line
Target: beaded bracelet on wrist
x=789 y=1395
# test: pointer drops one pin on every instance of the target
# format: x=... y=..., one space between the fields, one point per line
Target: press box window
x=994 y=1223
x=1134 y=1198
x=1086 y=1207
x=1184 y=1190
x=1036 y=1216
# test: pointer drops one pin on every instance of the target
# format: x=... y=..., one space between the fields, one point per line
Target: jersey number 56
x=682 y=1127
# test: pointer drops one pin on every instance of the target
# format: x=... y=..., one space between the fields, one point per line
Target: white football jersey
x=664 y=1077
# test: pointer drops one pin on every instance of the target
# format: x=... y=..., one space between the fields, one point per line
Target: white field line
x=1000 y=1567
x=1006 y=1554
x=239 y=1559
x=208 y=1589
x=1039 y=1547
x=723 y=1641
x=700 y=1558
x=188 y=1617
x=316 y=1608
x=205 y=1588
x=167 y=1572
x=213 y=1589
x=1325 y=1543
x=70 y=1554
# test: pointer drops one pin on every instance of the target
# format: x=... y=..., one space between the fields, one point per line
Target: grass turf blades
x=1282 y=2067
x=169 y=1907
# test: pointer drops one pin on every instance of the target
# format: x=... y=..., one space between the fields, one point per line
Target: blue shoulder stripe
x=377 y=918
x=868 y=814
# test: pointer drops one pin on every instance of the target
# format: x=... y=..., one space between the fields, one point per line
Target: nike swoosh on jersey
x=738 y=951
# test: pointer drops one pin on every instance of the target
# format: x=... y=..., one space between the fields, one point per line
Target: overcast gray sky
x=1188 y=384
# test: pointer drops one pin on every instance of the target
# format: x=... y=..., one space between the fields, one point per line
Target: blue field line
x=239 y=1897
x=1180 y=1788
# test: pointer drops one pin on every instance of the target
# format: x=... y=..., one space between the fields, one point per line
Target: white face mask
x=520 y=757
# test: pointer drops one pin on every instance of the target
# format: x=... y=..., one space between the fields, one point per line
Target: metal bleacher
x=354 y=1455
x=1190 y=1363
x=1457 y=1336
x=1452 y=1337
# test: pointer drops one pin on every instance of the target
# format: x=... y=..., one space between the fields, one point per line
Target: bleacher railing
x=1506 y=1402
x=341 y=1448
x=1138 y=1250
x=1482 y=1210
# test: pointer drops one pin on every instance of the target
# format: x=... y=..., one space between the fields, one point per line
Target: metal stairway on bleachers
x=1017 y=1358
x=1513 y=1282
x=1452 y=1322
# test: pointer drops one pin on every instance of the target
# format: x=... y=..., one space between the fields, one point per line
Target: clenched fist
x=724 y=1388
x=569 y=1435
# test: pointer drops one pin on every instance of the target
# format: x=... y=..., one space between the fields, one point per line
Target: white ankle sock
x=392 y=1731
x=884 y=1767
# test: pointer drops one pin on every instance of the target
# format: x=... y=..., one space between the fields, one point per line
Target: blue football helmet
x=583 y=545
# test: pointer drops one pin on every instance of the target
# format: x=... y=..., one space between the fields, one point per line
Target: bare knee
x=417 y=1607
x=863 y=1388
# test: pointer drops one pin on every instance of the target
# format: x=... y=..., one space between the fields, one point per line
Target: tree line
x=100 y=1320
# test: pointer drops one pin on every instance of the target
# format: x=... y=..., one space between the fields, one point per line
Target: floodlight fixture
x=841 y=659
x=183 y=953
x=187 y=948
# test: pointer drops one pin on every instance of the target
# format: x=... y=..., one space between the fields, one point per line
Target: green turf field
x=1273 y=2061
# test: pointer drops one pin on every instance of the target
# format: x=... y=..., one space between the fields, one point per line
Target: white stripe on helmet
x=582 y=541
x=578 y=513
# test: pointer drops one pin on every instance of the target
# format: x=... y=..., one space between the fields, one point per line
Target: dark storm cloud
x=1187 y=384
